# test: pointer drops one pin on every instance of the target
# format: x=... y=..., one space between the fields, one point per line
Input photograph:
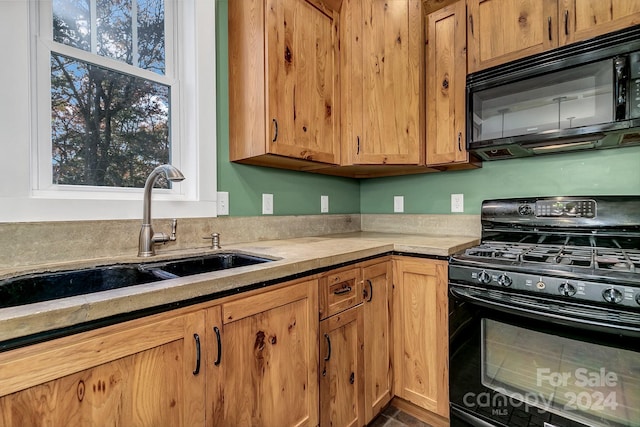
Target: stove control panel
x=577 y=290
x=566 y=208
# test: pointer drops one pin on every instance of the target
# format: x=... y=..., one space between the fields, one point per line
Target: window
x=115 y=88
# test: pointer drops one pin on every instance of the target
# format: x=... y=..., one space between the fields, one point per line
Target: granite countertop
x=291 y=257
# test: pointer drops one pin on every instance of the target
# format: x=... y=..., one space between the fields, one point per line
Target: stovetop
x=579 y=248
x=605 y=260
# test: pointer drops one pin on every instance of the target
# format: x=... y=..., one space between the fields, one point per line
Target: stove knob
x=484 y=277
x=612 y=295
x=567 y=289
x=638 y=298
x=504 y=280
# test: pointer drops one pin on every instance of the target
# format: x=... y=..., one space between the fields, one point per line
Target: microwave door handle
x=621 y=83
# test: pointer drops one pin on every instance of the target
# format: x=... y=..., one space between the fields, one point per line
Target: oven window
x=589 y=383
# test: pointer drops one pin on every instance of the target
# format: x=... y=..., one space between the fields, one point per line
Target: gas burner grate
x=604 y=259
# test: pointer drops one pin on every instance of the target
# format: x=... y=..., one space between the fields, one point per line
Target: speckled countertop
x=291 y=257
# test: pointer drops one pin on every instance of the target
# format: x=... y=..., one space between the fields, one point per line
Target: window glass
x=108 y=127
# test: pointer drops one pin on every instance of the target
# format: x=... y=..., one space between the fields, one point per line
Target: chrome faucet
x=148 y=239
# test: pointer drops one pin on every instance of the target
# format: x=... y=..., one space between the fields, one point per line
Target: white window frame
x=32 y=196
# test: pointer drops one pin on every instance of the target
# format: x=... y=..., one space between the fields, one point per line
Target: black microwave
x=581 y=96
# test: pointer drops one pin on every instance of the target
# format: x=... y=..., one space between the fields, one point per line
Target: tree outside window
x=109 y=127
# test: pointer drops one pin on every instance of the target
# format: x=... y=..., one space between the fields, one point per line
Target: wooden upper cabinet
x=500 y=31
x=446 y=79
x=382 y=82
x=284 y=103
x=585 y=19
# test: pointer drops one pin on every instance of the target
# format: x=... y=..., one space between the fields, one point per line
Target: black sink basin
x=49 y=286
x=204 y=264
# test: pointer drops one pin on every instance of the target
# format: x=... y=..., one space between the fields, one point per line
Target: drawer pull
x=344 y=290
x=196 y=337
x=326 y=336
x=219 y=357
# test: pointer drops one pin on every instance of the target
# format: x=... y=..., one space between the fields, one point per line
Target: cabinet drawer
x=339 y=290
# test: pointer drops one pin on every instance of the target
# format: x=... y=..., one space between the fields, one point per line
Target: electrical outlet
x=457 y=203
x=267 y=204
x=398 y=204
x=324 y=204
x=223 y=203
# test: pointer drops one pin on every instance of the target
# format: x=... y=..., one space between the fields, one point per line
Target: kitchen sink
x=40 y=287
x=204 y=264
x=48 y=286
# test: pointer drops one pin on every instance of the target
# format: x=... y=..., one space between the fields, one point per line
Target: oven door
x=510 y=366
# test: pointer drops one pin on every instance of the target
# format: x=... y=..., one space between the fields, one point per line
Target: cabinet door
x=421 y=340
x=446 y=79
x=341 y=365
x=132 y=374
x=584 y=19
x=214 y=366
x=500 y=31
x=302 y=61
x=385 y=96
x=270 y=359
x=378 y=307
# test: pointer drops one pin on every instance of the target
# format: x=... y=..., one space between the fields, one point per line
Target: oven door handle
x=538 y=311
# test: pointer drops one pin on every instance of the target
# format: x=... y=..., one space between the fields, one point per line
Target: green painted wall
x=615 y=171
x=294 y=193
x=298 y=193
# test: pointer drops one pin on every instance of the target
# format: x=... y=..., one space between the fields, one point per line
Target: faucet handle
x=174 y=227
x=215 y=240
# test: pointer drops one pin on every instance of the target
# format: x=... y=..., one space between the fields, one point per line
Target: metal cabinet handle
x=459 y=141
x=352 y=378
x=196 y=337
x=344 y=290
x=566 y=22
x=370 y=293
x=326 y=336
x=219 y=356
x=275 y=125
x=471 y=23
x=358 y=148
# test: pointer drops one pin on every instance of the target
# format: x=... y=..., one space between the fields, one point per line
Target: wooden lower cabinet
x=378 y=339
x=356 y=370
x=341 y=369
x=268 y=369
x=263 y=359
x=138 y=373
x=421 y=339
x=252 y=361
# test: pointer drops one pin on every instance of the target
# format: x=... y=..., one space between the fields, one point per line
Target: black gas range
x=545 y=315
x=578 y=256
